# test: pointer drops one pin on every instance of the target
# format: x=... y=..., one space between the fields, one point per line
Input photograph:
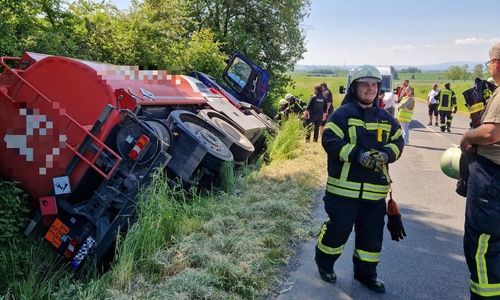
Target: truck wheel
x=207 y=135
x=241 y=148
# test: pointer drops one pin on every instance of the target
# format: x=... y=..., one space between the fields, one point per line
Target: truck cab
x=244 y=81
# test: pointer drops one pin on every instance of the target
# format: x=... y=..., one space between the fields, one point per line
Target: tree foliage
x=478 y=71
x=266 y=31
x=183 y=34
x=455 y=73
x=411 y=70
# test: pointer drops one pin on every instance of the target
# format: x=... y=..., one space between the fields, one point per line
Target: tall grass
x=285 y=144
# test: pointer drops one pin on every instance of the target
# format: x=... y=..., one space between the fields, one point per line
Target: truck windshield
x=386 y=83
x=239 y=73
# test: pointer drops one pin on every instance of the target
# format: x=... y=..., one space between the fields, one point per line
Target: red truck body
x=82 y=138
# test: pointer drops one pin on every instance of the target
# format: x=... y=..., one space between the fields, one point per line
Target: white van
x=387 y=85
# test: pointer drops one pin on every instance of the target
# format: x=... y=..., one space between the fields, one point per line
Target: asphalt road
x=429 y=262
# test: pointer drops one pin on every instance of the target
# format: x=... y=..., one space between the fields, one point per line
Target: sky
x=393 y=33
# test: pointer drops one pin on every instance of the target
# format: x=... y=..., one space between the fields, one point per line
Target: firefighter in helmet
x=360 y=139
x=297 y=106
x=283 y=111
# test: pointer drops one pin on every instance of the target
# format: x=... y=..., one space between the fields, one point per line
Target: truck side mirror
x=341 y=89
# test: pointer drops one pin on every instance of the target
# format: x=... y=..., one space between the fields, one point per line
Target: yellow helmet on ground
x=450 y=162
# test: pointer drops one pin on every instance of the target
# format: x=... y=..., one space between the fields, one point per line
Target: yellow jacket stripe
x=366 y=191
x=476 y=107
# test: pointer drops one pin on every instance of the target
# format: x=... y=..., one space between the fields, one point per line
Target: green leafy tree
x=465 y=73
x=266 y=31
x=453 y=73
x=478 y=71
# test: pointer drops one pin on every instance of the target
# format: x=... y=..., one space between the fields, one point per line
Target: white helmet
x=450 y=162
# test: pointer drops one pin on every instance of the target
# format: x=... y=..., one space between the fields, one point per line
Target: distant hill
x=437 y=67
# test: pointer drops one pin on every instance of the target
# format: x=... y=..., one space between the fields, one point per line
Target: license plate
x=55 y=233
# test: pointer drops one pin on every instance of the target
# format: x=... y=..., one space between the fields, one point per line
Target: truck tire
x=207 y=136
x=241 y=148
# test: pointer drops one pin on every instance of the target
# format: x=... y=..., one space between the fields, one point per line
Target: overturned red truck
x=83 y=138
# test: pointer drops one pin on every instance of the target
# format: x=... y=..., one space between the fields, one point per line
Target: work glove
x=368 y=160
x=455 y=110
x=381 y=159
x=394 y=222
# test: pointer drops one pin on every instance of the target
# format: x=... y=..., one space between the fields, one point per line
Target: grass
x=218 y=244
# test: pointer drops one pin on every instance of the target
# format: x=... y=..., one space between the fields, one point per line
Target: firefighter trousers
x=482 y=228
x=445 y=119
x=368 y=220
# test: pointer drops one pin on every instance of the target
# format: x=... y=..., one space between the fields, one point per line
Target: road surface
x=429 y=262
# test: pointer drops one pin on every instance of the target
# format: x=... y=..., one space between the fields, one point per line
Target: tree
x=266 y=31
x=478 y=71
x=453 y=73
x=465 y=73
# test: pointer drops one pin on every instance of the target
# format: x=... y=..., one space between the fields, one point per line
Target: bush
x=13 y=209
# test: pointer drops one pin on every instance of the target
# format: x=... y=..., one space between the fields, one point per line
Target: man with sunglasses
x=482 y=212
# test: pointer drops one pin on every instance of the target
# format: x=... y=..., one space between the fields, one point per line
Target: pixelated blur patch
x=36 y=135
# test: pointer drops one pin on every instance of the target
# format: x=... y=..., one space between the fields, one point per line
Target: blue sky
x=389 y=32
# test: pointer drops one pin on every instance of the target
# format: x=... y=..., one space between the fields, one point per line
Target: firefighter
x=360 y=139
x=283 y=111
x=447 y=103
x=296 y=105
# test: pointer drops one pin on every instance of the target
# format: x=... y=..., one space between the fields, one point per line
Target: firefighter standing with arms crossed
x=360 y=139
x=482 y=211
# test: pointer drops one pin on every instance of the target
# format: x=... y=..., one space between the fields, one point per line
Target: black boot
x=371 y=282
x=329 y=277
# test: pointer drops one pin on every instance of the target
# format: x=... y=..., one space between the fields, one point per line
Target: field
x=421 y=82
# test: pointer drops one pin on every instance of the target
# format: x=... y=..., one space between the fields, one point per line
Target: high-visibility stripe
x=373 y=257
x=335 y=129
x=483 y=287
x=392 y=147
x=482 y=248
x=326 y=249
x=353 y=137
x=485 y=290
x=476 y=107
x=345 y=151
x=345 y=171
x=350 y=189
x=344 y=183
